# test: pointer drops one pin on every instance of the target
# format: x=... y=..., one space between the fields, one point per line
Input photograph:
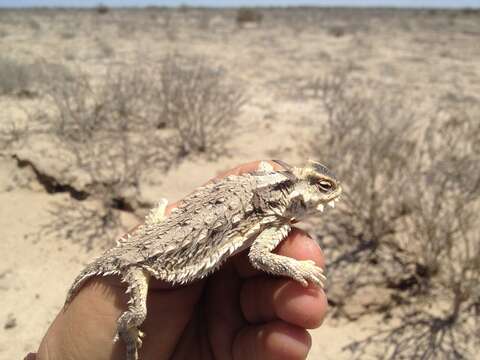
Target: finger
x=86 y=327
x=275 y=340
x=169 y=312
x=265 y=299
x=224 y=319
x=298 y=245
x=247 y=168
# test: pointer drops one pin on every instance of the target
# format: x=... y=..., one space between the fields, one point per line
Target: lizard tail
x=105 y=265
x=97 y=267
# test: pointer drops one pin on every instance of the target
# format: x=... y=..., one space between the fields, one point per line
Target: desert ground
x=430 y=54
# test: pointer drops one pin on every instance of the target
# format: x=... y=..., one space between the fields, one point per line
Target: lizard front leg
x=262 y=258
x=130 y=320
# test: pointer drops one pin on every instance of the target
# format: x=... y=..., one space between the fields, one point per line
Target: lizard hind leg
x=130 y=320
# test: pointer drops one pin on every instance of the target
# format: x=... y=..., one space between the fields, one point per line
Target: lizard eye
x=325 y=185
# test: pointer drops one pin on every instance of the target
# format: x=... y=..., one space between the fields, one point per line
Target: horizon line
x=319 y=6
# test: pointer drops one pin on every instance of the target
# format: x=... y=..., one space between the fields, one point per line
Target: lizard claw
x=138 y=335
x=306 y=271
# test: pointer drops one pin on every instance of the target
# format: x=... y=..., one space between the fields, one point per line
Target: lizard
x=252 y=211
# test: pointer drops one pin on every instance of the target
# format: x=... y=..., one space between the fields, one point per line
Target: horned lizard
x=216 y=221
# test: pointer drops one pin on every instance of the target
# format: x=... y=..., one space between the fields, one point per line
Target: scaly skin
x=216 y=221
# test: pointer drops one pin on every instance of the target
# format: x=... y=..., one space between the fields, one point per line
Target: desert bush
x=90 y=224
x=102 y=9
x=368 y=141
x=107 y=134
x=441 y=322
x=67 y=34
x=33 y=24
x=246 y=15
x=447 y=187
x=408 y=220
x=105 y=49
x=14 y=77
x=23 y=79
x=108 y=127
x=11 y=133
x=199 y=104
x=203 y=19
x=168 y=20
x=336 y=31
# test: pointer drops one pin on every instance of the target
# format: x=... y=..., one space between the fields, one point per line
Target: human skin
x=236 y=313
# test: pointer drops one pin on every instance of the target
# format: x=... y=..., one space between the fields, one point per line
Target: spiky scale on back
x=208 y=226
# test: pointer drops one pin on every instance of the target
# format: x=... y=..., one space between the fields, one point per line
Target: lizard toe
x=312 y=273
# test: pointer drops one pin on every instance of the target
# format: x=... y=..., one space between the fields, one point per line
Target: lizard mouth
x=323 y=206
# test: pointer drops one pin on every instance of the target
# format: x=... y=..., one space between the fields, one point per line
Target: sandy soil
x=430 y=54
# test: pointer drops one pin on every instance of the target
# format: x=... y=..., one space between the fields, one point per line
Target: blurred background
x=106 y=108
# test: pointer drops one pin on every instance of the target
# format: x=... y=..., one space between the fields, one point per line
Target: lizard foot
x=305 y=271
x=132 y=337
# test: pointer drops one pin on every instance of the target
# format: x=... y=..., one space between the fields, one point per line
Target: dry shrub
x=107 y=134
x=109 y=128
x=246 y=15
x=439 y=320
x=446 y=190
x=11 y=133
x=199 y=104
x=368 y=142
x=102 y=9
x=22 y=79
x=336 y=31
x=408 y=221
x=15 y=77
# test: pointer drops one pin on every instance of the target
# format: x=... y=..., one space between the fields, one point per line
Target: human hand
x=236 y=313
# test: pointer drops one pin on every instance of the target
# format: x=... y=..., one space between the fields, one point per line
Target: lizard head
x=314 y=187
